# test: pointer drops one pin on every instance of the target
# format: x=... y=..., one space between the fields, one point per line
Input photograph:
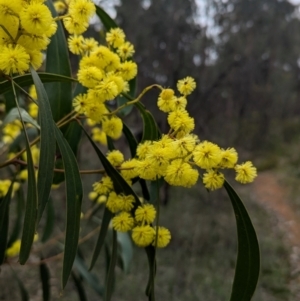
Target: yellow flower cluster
x=139 y=222
x=176 y=156
x=105 y=71
x=4 y=186
x=14 y=249
x=25 y=29
x=78 y=13
x=10 y=131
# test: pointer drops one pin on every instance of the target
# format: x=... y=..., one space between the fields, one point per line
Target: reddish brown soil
x=274 y=196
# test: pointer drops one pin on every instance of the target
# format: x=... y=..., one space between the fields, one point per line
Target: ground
x=274 y=195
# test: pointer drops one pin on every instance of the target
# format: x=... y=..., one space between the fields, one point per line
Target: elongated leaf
x=130 y=139
x=4 y=220
x=73 y=135
x=122 y=99
x=30 y=210
x=26 y=80
x=133 y=146
x=248 y=259
x=19 y=142
x=109 y=285
x=9 y=98
x=79 y=286
x=110 y=143
x=19 y=216
x=150 y=128
x=90 y=278
x=106 y=20
x=45 y=279
x=74 y=199
x=50 y=221
x=125 y=250
x=57 y=61
x=154 y=188
x=13 y=114
x=120 y=186
x=107 y=216
x=23 y=291
x=47 y=145
x=150 y=250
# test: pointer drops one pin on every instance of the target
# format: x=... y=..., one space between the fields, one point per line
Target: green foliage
x=248 y=259
x=47 y=145
x=4 y=218
x=74 y=198
x=56 y=138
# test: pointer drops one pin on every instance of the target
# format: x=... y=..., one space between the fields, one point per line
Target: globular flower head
x=180 y=103
x=34 y=42
x=112 y=127
x=96 y=111
x=180 y=173
x=229 y=158
x=4 y=186
x=181 y=122
x=36 y=18
x=143 y=235
x=80 y=103
x=128 y=169
x=115 y=37
x=99 y=136
x=89 y=45
x=33 y=110
x=51 y=29
x=159 y=157
x=104 y=57
x=123 y=222
x=166 y=100
x=146 y=170
x=104 y=186
x=245 y=173
x=128 y=70
x=186 y=86
x=114 y=203
x=74 y=26
x=143 y=149
x=207 y=155
x=90 y=76
x=81 y=10
x=36 y=58
x=163 y=237
x=145 y=214
x=75 y=44
x=213 y=179
x=127 y=202
x=185 y=145
x=107 y=88
x=11 y=23
x=60 y=6
x=125 y=50
x=14 y=249
x=14 y=59
x=115 y=157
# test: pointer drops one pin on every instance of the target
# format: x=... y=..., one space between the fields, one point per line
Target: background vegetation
x=245 y=57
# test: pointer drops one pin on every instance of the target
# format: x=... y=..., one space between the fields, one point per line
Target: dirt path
x=274 y=196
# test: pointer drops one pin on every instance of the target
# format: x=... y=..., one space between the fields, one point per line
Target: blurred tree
x=247 y=71
x=167 y=38
x=263 y=90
